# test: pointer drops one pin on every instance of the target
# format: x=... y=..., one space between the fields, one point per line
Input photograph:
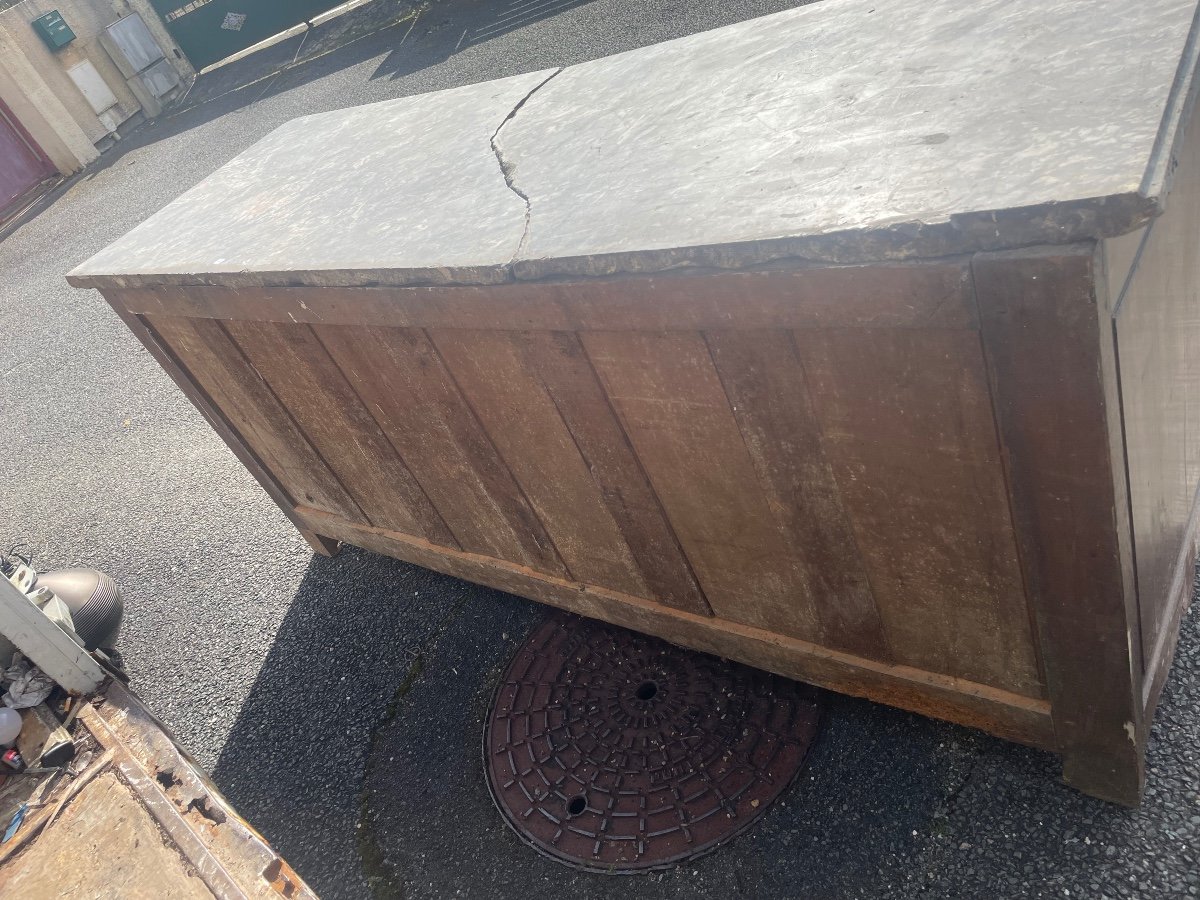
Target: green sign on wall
x=53 y=31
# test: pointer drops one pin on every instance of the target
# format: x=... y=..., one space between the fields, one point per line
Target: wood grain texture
x=1157 y=322
x=903 y=479
x=769 y=396
x=864 y=476
x=998 y=712
x=1161 y=655
x=402 y=380
x=1106 y=303
x=250 y=405
x=308 y=382
x=887 y=295
x=670 y=401
x=909 y=433
x=1042 y=328
x=174 y=368
x=526 y=427
x=562 y=366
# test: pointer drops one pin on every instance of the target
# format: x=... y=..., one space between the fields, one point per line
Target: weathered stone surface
x=879 y=129
x=844 y=131
x=409 y=185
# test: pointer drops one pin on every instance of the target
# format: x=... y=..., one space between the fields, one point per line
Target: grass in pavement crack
x=942 y=840
x=383 y=879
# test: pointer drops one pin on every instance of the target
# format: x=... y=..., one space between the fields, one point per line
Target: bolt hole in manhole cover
x=620 y=753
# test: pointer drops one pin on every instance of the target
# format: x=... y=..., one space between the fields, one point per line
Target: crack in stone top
x=838 y=132
x=401 y=192
x=850 y=132
x=507 y=168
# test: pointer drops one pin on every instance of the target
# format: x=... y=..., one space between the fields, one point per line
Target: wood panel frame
x=1054 y=391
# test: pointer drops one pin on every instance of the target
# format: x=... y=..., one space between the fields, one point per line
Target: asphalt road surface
x=338 y=702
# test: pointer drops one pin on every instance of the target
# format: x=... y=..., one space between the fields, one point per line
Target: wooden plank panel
x=1042 y=328
x=324 y=405
x=1157 y=321
x=1003 y=713
x=219 y=367
x=908 y=428
x=562 y=366
x=526 y=427
x=670 y=400
x=883 y=295
x=404 y=383
x=166 y=358
x=769 y=396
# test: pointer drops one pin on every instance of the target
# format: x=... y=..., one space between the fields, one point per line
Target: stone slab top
x=845 y=131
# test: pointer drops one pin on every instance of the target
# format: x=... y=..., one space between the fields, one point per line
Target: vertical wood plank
x=252 y=408
x=567 y=375
x=909 y=432
x=404 y=383
x=521 y=419
x=171 y=364
x=308 y=382
x=670 y=400
x=769 y=395
x=1042 y=331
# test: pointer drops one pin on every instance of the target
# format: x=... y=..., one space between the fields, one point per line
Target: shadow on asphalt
x=357 y=753
x=446 y=28
x=293 y=760
x=436 y=32
x=873 y=780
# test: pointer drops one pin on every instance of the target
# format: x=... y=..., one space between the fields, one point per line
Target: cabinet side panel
x=1157 y=322
x=808 y=452
x=771 y=400
x=669 y=397
x=529 y=431
x=564 y=370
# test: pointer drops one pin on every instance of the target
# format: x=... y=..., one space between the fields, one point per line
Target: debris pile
x=39 y=709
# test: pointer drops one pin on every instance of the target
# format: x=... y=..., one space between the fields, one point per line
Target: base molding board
x=1011 y=716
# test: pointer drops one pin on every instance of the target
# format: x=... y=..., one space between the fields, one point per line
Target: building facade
x=74 y=76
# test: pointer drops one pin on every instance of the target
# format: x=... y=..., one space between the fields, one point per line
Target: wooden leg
x=321 y=545
x=1043 y=323
x=1114 y=774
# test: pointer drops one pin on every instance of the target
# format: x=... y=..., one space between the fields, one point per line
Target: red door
x=22 y=163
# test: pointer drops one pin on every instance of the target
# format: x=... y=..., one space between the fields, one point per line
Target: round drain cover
x=617 y=752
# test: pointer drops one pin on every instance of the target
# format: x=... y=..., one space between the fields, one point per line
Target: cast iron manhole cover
x=617 y=752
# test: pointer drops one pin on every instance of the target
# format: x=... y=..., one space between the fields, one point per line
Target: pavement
x=338 y=702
